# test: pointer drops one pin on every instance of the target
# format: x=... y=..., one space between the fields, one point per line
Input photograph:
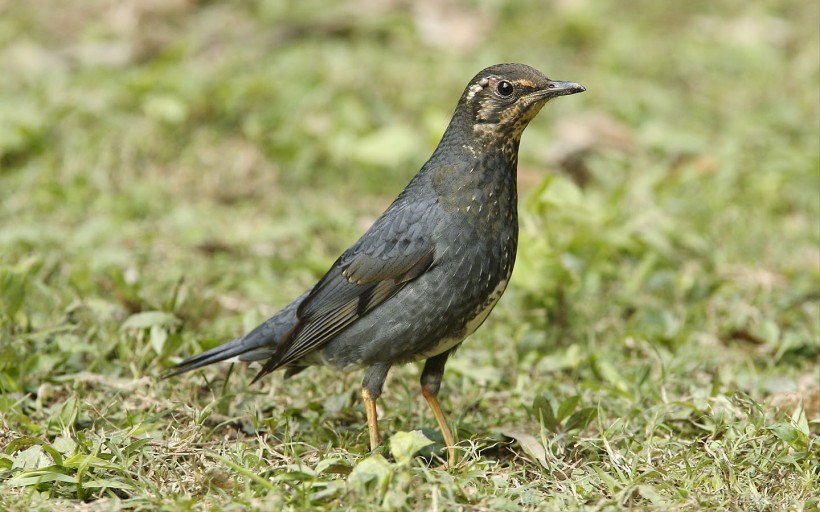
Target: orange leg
x=371 y=390
x=442 y=423
x=372 y=419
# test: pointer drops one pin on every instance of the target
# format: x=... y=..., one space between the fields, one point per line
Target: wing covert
x=395 y=250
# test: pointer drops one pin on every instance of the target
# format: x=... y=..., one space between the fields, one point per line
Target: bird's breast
x=478 y=316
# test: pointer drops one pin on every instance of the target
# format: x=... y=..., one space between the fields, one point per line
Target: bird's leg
x=430 y=384
x=371 y=390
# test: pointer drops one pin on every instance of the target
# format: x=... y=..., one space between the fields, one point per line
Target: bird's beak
x=557 y=88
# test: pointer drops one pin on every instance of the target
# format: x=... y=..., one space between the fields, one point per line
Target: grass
x=171 y=173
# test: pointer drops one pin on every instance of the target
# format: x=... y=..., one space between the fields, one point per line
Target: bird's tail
x=234 y=350
x=261 y=343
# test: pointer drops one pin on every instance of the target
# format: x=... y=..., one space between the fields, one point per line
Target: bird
x=431 y=267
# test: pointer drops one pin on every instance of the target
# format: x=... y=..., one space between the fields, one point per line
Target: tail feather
x=256 y=345
x=233 y=349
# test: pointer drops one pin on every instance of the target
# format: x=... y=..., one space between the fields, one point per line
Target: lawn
x=174 y=172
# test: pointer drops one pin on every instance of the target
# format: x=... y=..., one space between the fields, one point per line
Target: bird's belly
x=481 y=314
x=412 y=331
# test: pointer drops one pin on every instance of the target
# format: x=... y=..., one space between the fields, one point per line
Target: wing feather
x=393 y=252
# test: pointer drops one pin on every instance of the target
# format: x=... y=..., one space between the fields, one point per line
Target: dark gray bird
x=432 y=266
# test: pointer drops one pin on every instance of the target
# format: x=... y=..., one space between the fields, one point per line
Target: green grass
x=171 y=173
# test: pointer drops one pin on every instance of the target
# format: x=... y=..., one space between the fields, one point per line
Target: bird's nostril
x=551 y=86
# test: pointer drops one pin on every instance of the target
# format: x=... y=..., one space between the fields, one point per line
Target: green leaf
x=542 y=409
x=22 y=443
x=610 y=374
x=581 y=418
x=531 y=446
x=403 y=445
x=135 y=446
x=373 y=472
x=656 y=498
x=611 y=484
x=567 y=407
x=800 y=421
x=332 y=465
x=64 y=445
x=790 y=434
x=106 y=483
x=65 y=414
x=32 y=458
x=40 y=476
x=158 y=335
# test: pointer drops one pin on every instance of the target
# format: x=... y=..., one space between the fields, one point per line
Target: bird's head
x=502 y=99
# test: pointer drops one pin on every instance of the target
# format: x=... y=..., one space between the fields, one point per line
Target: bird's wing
x=395 y=250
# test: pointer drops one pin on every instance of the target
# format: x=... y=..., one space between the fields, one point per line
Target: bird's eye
x=504 y=88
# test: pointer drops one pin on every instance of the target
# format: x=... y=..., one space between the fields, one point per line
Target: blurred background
x=172 y=172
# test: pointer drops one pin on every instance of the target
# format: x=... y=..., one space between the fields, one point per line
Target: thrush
x=432 y=266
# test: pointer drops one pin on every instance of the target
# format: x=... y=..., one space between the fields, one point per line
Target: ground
x=171 y=173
